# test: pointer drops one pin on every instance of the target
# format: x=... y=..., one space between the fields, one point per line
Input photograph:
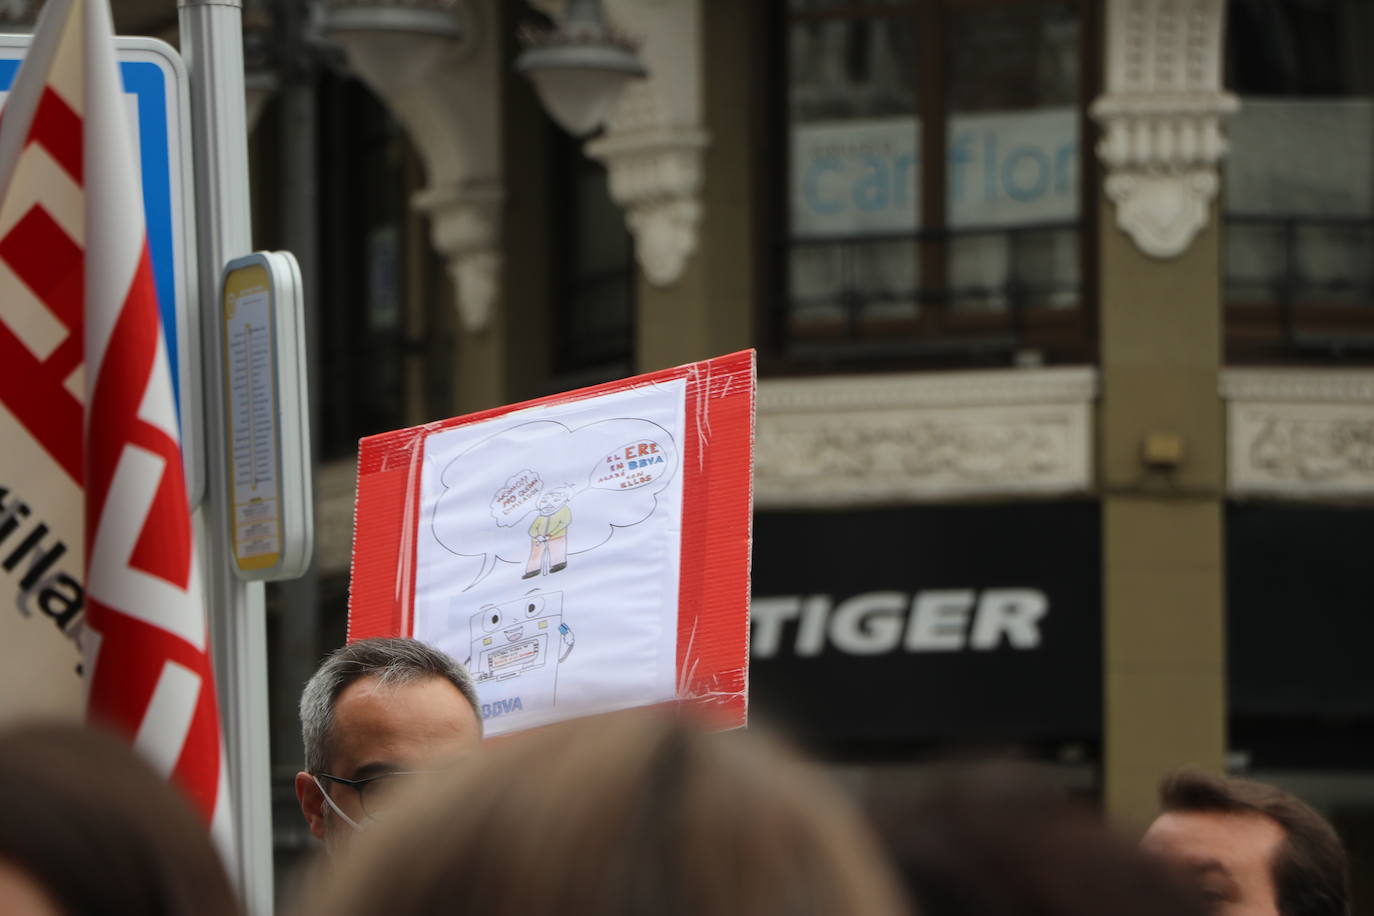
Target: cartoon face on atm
x=516 y=649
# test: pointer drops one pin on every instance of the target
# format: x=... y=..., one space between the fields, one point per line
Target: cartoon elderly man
x=549 y=532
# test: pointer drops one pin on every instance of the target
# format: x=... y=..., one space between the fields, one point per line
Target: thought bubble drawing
x=512 y=502
x=541 y=492
x=630 y=467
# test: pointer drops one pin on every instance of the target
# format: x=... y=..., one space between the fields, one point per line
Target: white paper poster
x=548 y=554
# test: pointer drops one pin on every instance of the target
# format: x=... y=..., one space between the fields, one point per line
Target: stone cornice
x=879 y=439
x=1298 y=385
x=946 y=389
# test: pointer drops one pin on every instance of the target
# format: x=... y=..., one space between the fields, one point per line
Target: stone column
x=1162 y=430
x=693 y=234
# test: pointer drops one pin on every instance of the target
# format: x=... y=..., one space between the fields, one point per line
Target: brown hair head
x=992 y=838
x=1310 y=869
x=620 y=815
x=98 y=829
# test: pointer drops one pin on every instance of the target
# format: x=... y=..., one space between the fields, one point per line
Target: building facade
x=1065 y=322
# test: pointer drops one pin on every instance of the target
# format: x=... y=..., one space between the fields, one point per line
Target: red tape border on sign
x=717 y=505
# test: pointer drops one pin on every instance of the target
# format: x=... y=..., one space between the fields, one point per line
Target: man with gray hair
x=379 y=713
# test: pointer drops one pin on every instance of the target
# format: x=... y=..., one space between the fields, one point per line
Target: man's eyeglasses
x=377 y=793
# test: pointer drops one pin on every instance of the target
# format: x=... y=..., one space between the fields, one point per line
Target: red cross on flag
x=96 y=540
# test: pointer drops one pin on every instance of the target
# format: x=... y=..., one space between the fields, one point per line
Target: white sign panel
x=252 y=410
x=271 y=524
x=548 y=554
x=1004 y=169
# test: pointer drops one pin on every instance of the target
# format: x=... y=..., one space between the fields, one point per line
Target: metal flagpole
x=212 y=46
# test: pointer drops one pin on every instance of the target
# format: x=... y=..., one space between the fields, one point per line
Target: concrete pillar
x=709 y=308
x=1163 y=550
x=694 y=116
x=508 y=359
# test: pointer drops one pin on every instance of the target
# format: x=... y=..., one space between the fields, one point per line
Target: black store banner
x=881 y=627
x=1300 y=611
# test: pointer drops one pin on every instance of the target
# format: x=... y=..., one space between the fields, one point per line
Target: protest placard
x=580 y=553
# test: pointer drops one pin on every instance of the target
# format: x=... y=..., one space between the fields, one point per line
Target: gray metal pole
x=212 y=45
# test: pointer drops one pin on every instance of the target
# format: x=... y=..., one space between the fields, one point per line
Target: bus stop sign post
x=212 y=45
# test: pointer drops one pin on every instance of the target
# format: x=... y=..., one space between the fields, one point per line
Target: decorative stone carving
x=1300 y=432
x=1161 y=117
x=436 y=64
x=656 y=176
x=457 y=19
x=653 y=143
x=876 y=439
x=465 y=227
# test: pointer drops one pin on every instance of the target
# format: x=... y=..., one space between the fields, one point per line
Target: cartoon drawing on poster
x=525 y=638
x=618 y=489
x=585 y=496
x=549 y=533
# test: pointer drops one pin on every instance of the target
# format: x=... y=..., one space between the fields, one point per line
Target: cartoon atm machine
x=516 y=649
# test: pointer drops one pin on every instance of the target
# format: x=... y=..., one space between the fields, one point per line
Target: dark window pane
x=1012 y=90
x=1256 y=262
x=843 y=69
x=1311 y=48
x=854 y=171
x=363 y=191
x=884 y=249
x=1333 y=264
x=1045 y=269
x=1301 y=157
x=594 y=276
x=844 y=283
x=1023 y=56
x=1299 y=186
x=1024 y=268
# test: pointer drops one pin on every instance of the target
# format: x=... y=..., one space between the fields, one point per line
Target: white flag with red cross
x=96 y=539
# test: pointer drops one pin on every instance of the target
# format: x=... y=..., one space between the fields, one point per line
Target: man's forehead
x=1203 y=839
x=406 y=723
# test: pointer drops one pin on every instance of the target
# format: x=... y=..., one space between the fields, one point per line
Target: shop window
x=1299 y=191
x=934 y=180
x=593 y=296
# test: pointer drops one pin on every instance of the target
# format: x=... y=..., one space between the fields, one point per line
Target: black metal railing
x=920 y=318
x=1315 y=272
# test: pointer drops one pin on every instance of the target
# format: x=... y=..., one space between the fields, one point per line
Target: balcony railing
x=995 y=292
x=1299 y=285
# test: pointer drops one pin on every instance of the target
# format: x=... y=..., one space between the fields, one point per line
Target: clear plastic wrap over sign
x=580 y=553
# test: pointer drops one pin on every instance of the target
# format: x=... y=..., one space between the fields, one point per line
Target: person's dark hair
x=620 y=815
x=393 y=662
x=1310 y=869
x=998 y=839
x=100 y=831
